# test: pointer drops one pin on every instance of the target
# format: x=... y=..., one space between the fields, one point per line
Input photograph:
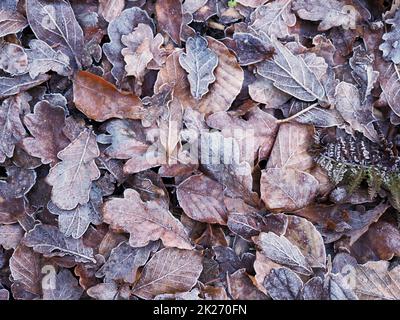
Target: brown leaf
x=45 y=125
x=201 y=198
x=25 y=271
x=241 y=287
x=374 y=281
x=179 y=275
x=101 y=100
x=11 y=22
x=169 y=18
x=229 y=79
x=280 y=250
x=110 y=9
x=287 y=168
x=145 y=221
x=72 y=178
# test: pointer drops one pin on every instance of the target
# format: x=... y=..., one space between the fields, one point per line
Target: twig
x=297 y=114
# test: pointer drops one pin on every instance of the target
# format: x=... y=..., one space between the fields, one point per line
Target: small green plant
x=350 y=161
x=232 y=3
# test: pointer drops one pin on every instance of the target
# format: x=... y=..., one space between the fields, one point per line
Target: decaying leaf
x=287 y=168
x=283 y=284
x=180 y=275
x=291 y=74
x=66 y=287
x=56 y=25
x=390 y=47
x=331 y=13
x=101 y=100
x=45 y=125
x=43 y=58
x=202 y=199
x=72 y=178
x=11 y=22
x=18 y=84
x=50 y=242
x=145 y=221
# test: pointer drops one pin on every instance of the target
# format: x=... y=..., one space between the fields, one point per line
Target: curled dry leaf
x=180 y=275
x=331 y=13
x=202 y=199
x=124 y=24
x=56 y=25
x=45 y=125
x=145 y=221
x=287 y=168
x=72 y=178
x=101 y=100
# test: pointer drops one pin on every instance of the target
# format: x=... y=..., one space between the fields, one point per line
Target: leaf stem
x=297 y=114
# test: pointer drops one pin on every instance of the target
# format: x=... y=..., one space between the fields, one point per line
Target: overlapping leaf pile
x=165 y=149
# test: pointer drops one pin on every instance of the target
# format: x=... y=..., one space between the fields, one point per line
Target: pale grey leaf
x=291 y=74
x=72 y=178
x=124 y=262
x=20 y=83
x=43 y=58
x=13 y=58
x=280 y=250
x=10 y=236
x=199 y=62
x=283 y=284
x=124 y=24
x=66 y=287
x=55 y=24
x=274 y=18
x=51 y=242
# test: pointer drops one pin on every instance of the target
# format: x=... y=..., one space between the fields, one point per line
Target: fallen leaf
x=50 y=242
x=145 y=221
x=13 y=58
x=57 y=26
x=287 y=168
x=124 y=24
x=331 y=13
x=180 y=275
x=111 y=9
x=10 y=236
x=66 y=287
x=72 y=178
x=101 y=100
x=390 y=40
x=45 y=125
x=20 y=83
x=274 y=18
x=283 y=284
x=291 y=74
x=11 y=22
x=169 y=18
x=200 y=62
x=201 y=198
x=124 y=262
x=43 y=58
